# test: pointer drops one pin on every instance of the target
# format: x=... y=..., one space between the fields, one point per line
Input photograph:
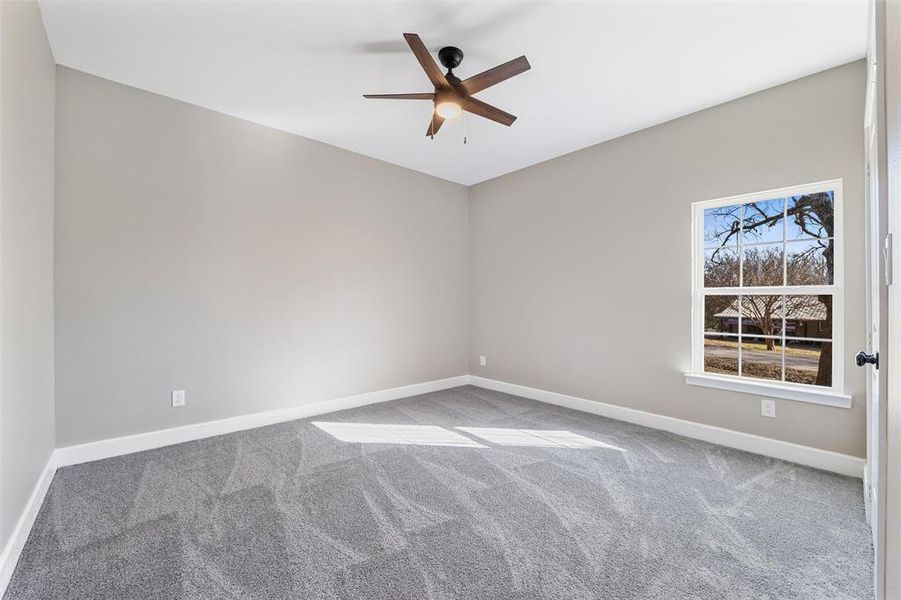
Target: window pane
x=761 y=315
x=720 y=355
x=761 y=359
x=721 y=225
x=808 y=362
x=810 y=262
x=763 y=221
x=721 y=314
x=811 y=215
x=721 y=267
x=762 y=265
x=808 y=316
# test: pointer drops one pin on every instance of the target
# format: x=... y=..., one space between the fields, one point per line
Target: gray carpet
x=464 y=493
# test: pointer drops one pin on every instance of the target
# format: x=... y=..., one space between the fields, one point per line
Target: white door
x=876 y=241
x=878 y=259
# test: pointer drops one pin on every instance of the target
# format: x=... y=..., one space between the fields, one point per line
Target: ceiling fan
x=452 y=96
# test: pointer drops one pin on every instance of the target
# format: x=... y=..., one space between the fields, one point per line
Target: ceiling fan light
x=448 y=109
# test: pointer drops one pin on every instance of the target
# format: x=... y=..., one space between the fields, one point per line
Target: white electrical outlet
x=178 y=398
x=482 y=361
x=768 y=407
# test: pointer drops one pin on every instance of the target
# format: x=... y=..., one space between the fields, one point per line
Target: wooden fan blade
x=435 y=125
x=483 y=109
x=401 y=96
x=500 y=73
x=425 y=59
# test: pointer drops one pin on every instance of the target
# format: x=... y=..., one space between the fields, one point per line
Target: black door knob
x=863 y=358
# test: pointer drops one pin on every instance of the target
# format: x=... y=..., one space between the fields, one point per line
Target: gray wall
x=254 y=269
x=259 y=270
x=26 y=256
x=581 y=266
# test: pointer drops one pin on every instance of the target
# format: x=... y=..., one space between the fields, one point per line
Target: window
x=767 y=297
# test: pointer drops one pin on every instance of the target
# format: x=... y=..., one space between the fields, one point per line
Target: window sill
x=788 y=392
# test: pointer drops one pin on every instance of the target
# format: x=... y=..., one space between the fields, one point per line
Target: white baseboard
x=805 y=455
x=19 y=535
x=71 y=455
x=796 y=453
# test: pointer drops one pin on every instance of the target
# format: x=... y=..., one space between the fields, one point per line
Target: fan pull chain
x=464 y=127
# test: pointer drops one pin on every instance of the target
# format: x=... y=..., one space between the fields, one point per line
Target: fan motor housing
x=450 y=57
x=447 y=95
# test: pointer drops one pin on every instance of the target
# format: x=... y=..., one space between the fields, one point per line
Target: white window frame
x=833 y=396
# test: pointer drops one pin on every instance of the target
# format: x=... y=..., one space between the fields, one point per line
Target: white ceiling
x=598 y=70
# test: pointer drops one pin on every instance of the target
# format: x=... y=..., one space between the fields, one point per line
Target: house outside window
x=767 y=302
